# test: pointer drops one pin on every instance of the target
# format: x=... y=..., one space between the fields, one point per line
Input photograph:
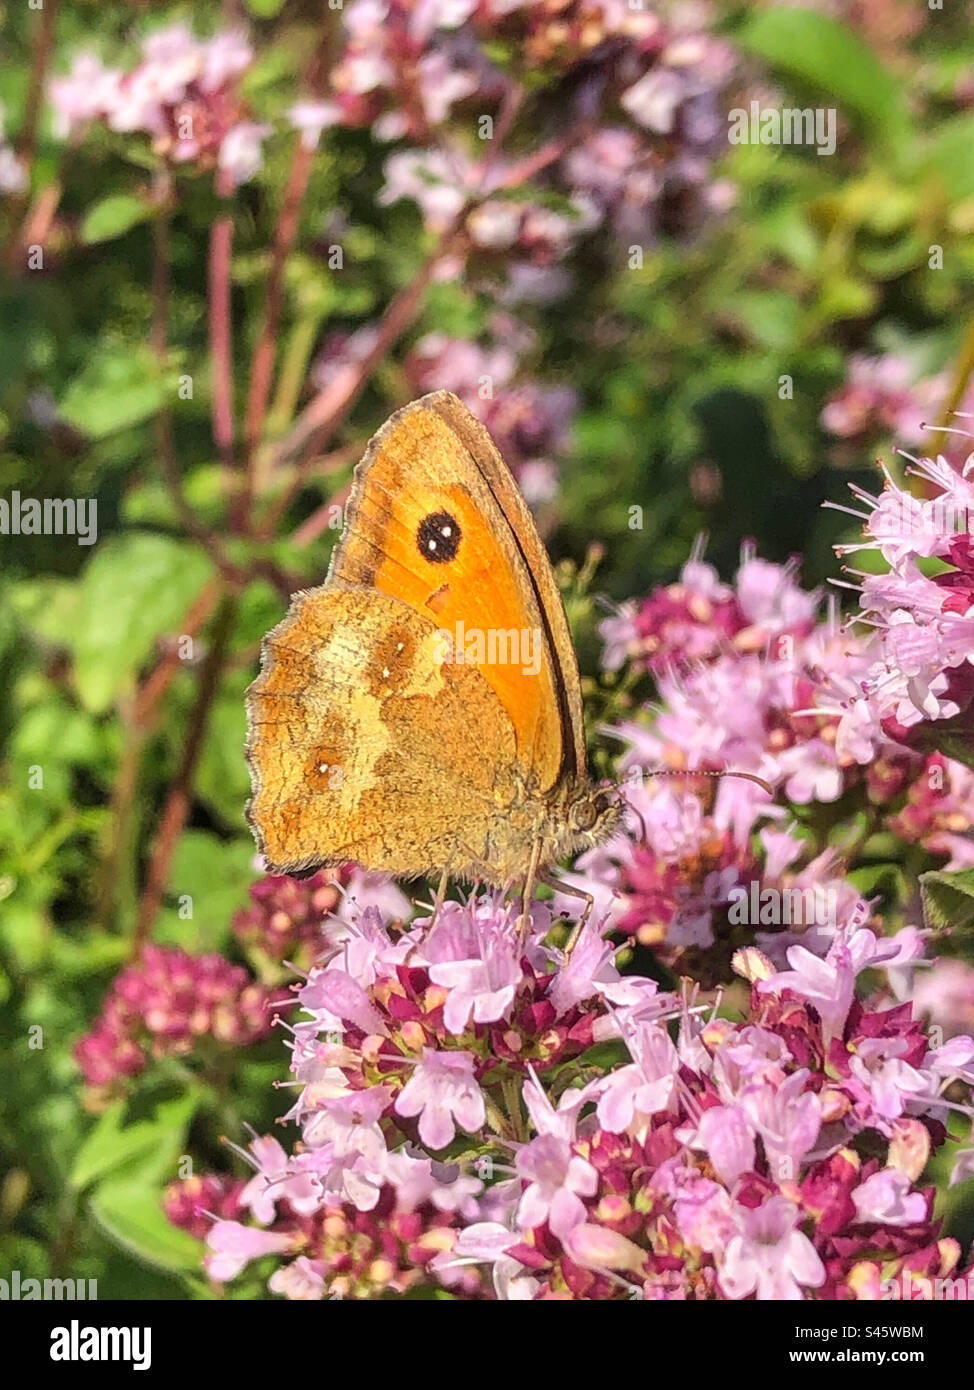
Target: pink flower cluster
x=183 y=93
x=881 y=397
x=921 y=662
x=530 y=421
x=406 y=67
x=752 y=678
x=193 y=1203
x=285 y=915
x=166 y=1005
x=443 y=1138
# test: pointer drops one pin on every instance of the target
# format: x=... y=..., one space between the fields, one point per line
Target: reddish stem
x=176 y=809
x=331 y=406
x=221 y=331
x=43 y=44
x=263 y=363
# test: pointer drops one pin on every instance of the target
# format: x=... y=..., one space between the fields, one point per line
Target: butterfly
x=421 y=712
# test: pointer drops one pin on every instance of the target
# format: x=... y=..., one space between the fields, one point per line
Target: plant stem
x=221 y=333
x=285 y=235
x=43 y=44
x=176 y=809
x=331 y=406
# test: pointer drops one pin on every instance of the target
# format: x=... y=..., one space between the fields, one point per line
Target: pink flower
x=557 y=1180
x=302 y=1279
x=620 y=635
x=770 y=1257
x=887 y=1198
x=224 y=58
x=441 y=1090
x=472 y=953
x=591 y=970
x=311 y=118
x=887 y=1082
x=788 y=1119
x=259 y=1194
x=240 y=154
x=87 y=92
x=342 y=999
x=234 y=1246
x=726 y=1136
x=429 y=179
x=826 y=984
x=633 y=1093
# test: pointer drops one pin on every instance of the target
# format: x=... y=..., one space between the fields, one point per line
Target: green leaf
x=771 y=318
x=887 y=879
x=112 y=216
x=948 y=156
x=118 y=388
x=948 y=900
x=47 y=606
x=222 y=779
x=134 y=589
x=211 y=877
x=130 y=1213
x=821 y=52
x=123 y=1139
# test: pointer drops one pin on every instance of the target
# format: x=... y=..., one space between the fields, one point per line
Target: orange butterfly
x=421 y=711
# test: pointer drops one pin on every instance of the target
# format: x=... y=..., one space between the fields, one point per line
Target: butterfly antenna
x=694 y=772
x=708 y=772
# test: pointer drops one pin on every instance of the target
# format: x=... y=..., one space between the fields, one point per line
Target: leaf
x=948 y=156
x=887 y=879
x=948 y=900
x=120 y=1141
x=130 y=1213
x=222 y=779
x=113 y=216
x=771 y=318
x=211 y=876
x=823 y=53
x=134 y=589
x=117 y=388
x=47 y=606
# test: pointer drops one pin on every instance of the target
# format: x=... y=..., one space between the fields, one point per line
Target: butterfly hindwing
x=364 y=746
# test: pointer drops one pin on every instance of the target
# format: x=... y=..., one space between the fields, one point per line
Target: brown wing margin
x=504 y=489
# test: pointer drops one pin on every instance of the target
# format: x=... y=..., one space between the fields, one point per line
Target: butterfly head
x=591 y=813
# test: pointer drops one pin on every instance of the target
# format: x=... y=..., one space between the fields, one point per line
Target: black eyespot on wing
x=438 y=537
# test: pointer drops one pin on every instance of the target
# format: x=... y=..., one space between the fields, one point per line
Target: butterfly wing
x=363 y=744
x=435 y=518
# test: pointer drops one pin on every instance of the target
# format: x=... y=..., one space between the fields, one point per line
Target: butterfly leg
x=550 y=881
x=440 y=895
x=531 y=878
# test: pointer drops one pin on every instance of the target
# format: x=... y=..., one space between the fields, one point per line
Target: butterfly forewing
x=425 y=524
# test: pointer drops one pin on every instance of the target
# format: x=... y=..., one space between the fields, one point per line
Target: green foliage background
x=819 y=257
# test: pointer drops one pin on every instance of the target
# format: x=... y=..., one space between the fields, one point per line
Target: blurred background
x=235 y=238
